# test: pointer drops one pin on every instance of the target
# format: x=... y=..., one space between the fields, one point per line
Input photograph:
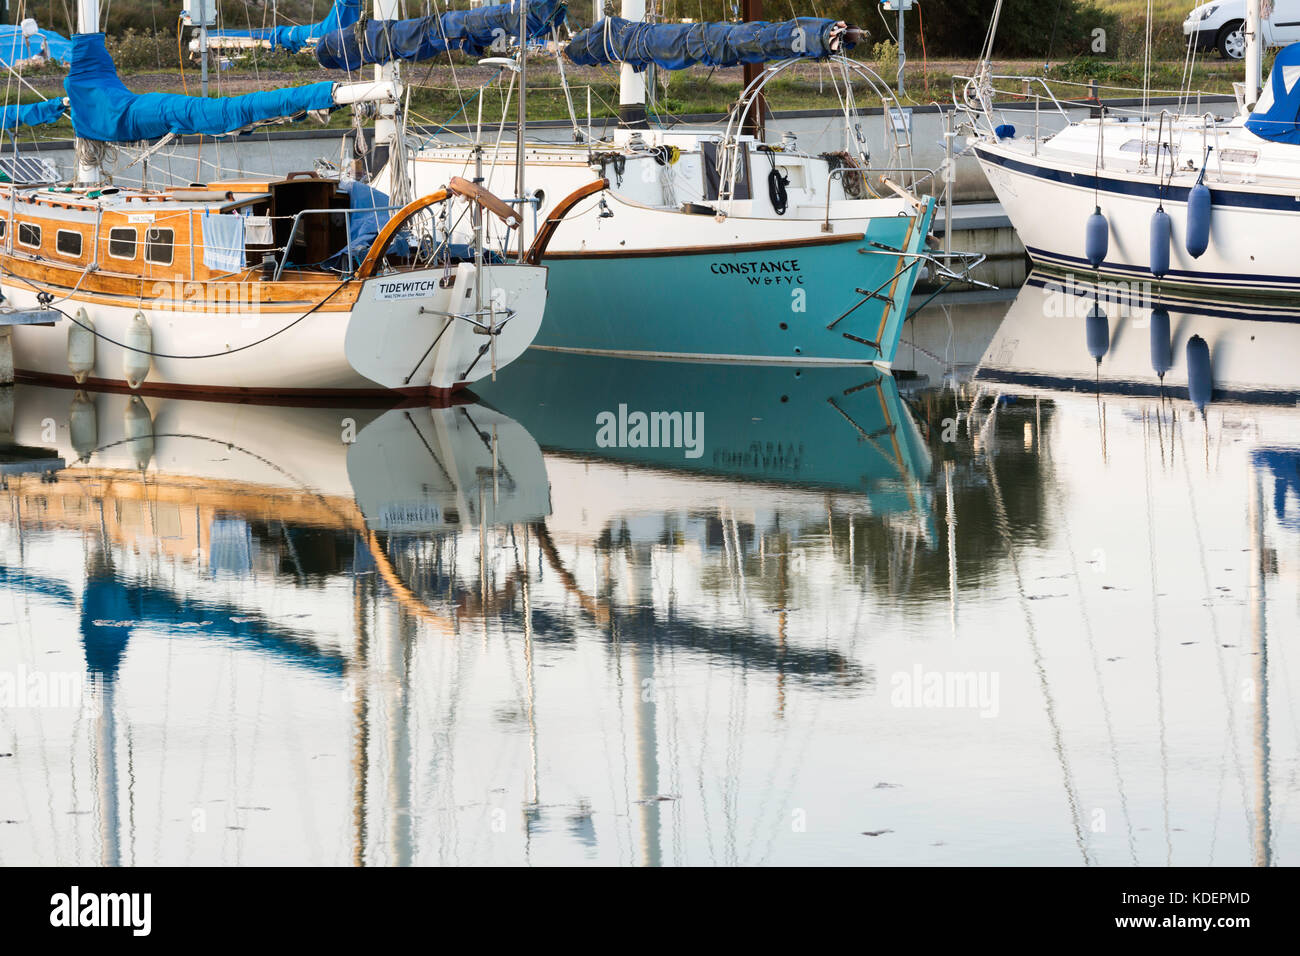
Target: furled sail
x=33 y=114
x=675 y=46
x=342 y=15
x=103 y=109
x=469 y=31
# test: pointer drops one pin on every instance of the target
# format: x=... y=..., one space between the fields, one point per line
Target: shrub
x=134 y=51
x=1027 y=28
x=885 y=54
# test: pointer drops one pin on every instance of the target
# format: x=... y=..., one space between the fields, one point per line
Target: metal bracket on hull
x=878 y=245
x=480 y=328
x=868 y=296
x=482 y=350
x=854 y=338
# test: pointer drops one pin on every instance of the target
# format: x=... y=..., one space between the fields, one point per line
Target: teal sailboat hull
x=835 y=298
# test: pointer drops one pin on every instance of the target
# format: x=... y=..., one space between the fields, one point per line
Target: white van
x=1221 y=26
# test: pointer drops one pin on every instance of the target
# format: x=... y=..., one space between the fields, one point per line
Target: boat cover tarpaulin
x=15 y=47
x=1277 y=114
x=370 y=213
x=32 y=114
x=343 y=14
x=471 y=32
x=675 y=46
x=103 y=109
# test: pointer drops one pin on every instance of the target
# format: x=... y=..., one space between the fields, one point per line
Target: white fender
x=136 y=360
x=81 y=346
x=83 y=424
x=138 y=425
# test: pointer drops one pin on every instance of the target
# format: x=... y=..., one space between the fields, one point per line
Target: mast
x=88 y=171
x=207 y=13
x=631 y=84
x=520 y=133
x=1254 y=51
x=752 y=10
x=1262 y=831
x=110 y=819
x=386 y=119
x=646 y=691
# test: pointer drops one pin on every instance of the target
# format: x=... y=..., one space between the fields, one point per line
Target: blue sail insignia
x=676 y=46
x=471 y=32
x=103 y=109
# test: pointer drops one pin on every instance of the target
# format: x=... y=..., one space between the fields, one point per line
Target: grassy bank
x=438 y=98
x=1167 y=16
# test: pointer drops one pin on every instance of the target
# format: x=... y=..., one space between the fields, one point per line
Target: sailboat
x=1188 y=198
x=251 y=287
x=685 y=254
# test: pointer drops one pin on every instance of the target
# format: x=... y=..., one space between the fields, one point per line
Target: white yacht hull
x=1048 y=200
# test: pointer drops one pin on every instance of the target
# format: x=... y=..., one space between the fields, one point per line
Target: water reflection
x=1022 y=605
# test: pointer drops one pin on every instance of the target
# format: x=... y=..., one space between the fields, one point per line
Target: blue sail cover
x=343 y=14
x=32 y=114
x=104 y=109
x=470 y=31
x=15 y=47
x=1277 y=114
x=370 y=213
x=675 y=46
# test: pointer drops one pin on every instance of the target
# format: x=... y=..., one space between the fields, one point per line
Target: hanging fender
x=81 y=347
x=137 y=358
x=1161 y=230
x=1096 y=238
x=1198 y=220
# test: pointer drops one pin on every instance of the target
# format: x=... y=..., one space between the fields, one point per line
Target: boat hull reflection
x=1067 y=335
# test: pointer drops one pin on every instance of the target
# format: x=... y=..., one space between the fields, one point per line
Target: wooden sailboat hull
x=214 y=338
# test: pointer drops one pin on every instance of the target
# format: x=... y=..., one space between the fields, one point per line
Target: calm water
x=1026 y=605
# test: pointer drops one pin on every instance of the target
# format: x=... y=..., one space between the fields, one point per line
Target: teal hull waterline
x=803 y=302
